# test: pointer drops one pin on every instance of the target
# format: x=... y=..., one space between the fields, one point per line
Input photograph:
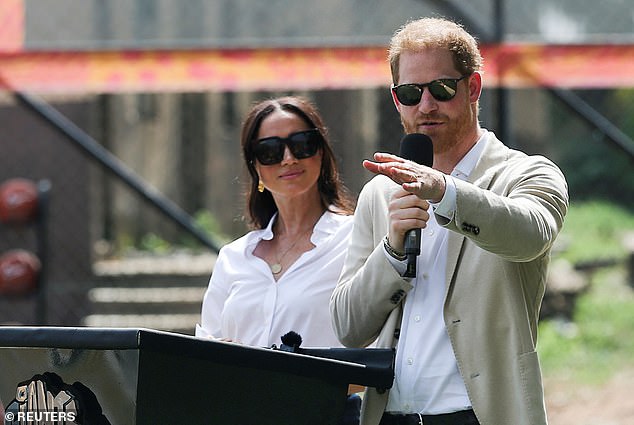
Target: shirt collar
x=325 y=226
x=468 y=162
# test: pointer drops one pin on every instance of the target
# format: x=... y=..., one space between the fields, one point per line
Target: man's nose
x=427 y=102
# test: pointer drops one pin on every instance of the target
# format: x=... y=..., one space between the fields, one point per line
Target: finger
x=398 y=193
x=407 y=204
x=387 y=169
x=372 y=166
x=381 y=168
x=404 y=198
x=406 y=211
x=407 y=171
x=387 y=157
x=414 y=187
x=403 y=175
x=399 y=226
x=409 y=218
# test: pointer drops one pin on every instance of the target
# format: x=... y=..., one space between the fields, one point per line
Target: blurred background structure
x=130 y=111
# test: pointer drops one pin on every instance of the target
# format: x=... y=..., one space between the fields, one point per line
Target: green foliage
x=204 y=220
x=600 y=340
x=155 y=244
x=595 y=230
x=596 y=168
x=207 y=222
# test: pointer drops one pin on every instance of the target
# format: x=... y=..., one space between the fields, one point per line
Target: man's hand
x=406 y=211
x=422 y=181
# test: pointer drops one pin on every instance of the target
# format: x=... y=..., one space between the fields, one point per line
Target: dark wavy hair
x=261 y=206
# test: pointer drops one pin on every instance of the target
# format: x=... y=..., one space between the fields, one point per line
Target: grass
x=600 y=340
x=595 y=230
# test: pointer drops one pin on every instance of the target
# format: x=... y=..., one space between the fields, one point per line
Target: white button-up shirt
x=427 y=377
x=245 y=304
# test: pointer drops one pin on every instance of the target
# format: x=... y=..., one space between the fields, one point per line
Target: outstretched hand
x=423 y=181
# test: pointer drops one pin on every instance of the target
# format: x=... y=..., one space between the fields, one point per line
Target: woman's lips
x=291 y=174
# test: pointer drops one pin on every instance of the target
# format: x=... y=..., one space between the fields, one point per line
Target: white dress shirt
x=427 y=377
x=245 y=304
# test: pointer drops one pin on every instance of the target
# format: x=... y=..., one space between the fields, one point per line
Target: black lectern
x=100 y=376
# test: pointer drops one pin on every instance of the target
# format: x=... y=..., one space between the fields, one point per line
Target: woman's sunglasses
x=303 y=144
x=442 y=90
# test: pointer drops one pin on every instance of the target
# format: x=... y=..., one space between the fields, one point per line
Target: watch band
x=400 y=256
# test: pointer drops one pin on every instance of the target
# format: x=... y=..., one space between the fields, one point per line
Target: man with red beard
x=465 y=327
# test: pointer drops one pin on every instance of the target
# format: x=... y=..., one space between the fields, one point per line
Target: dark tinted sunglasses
x=442 y=90
x=302 y=144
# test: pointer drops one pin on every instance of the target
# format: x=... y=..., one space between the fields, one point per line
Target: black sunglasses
x=303 y=144
x=442 y=90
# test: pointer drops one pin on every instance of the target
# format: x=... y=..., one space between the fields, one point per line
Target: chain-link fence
x=115 y=256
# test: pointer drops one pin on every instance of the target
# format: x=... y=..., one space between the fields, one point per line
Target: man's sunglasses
x=303 y=144
x=442 y=90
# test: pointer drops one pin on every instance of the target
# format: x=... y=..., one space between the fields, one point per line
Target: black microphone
x=291 y=342
x=418 y=148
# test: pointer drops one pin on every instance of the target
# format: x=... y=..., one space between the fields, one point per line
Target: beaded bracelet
x=393 y=253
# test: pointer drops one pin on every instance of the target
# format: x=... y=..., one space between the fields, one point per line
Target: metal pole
x=595 y=119
x=501 y=91
x=113 y=164
x=43 y=198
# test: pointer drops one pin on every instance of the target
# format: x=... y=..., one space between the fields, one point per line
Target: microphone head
x=292 y=339
x=417 y=147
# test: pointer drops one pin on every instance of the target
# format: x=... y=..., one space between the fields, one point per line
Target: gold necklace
x=276 y=268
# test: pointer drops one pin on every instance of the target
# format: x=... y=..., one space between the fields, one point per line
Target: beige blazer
x=506 y=220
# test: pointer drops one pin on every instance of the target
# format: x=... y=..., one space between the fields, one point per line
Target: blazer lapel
x=493 y=152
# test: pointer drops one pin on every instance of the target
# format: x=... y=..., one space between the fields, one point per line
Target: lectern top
x=369 y=367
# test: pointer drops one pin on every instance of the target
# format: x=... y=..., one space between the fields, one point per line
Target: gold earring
x=260 y=186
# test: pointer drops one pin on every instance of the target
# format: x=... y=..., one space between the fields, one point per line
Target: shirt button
x=410 y=361
x=430 y=233
x=406 y=407
x=417 y=318
x=425 y=276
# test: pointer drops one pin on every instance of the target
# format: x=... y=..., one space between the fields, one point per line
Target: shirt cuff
x=446 y=207
x=202 y=332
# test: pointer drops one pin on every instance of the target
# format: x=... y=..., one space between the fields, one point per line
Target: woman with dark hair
x=261 y=204
x=278 y=277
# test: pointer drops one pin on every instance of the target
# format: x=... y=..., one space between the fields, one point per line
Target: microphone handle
x=420 y=149
x=412 y=250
